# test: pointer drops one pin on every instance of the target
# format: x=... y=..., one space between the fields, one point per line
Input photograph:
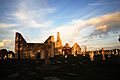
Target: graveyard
x=60 y=68
x=59 y=40
x=38 y=61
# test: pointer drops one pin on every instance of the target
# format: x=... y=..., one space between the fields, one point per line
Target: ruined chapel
x=49 y=48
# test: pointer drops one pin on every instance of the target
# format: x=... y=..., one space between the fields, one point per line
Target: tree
x=3 y=52
x=11 y=52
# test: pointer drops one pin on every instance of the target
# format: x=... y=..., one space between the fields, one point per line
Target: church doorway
x=38 y=55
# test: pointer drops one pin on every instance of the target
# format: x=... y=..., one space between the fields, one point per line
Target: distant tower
x=59 y=41
x=58 y=44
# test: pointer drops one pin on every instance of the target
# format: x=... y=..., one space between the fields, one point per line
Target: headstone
x=103 y=54
x=51 y=78
x=72 y=74
x=116 y=52
x=92 y=55
x=13 y=75
x=31 y=73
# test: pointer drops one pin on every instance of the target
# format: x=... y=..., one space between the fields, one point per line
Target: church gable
x=29 y=50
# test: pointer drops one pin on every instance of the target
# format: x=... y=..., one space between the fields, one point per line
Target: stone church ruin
x=48 y=49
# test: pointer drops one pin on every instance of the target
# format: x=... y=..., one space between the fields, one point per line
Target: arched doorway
x=38 y=55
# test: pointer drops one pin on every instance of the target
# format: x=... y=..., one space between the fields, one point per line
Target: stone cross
x=92 y=55
x=103 y=54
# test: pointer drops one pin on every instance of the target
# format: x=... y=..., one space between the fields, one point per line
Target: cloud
x=87 y=31
x=106 y=23
x=81 y=31
x=5 y=25
x=32 y=15
x=102 y=28
x=106 y=28
x=65 y=32
x=7 y=35
x=102 y=24
x=94 y=26
x=101 y=3
x=1 y=44
x=5 y=42
x=24 y=18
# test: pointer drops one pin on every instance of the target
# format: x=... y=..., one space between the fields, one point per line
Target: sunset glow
x=91 y=23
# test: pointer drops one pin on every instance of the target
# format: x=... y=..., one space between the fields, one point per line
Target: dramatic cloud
x=38 y=19
x=1 y=44
x=102 y=28
x=25 y=19
x=106 y=23
x=101 y=3
x=4 y=43
x=26 y=16
x=83 y=31
x=31 y=15
x=102 y=24
x=3 y=25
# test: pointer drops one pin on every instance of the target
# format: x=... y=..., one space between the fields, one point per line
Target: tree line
x=6 y=54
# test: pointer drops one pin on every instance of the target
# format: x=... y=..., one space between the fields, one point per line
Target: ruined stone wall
x=50 y=41
x=76 y=49
x=49 y=47
x=33 y=48
x=29 y=50
x=67 y=49
x=58 y=45
x=20 y=45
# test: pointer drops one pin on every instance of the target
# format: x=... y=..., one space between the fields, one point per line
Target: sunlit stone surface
x=92 y=56
x=45 y=50
x=58 y=45
x=103 y=54
x=76 y=49
x=30 y=50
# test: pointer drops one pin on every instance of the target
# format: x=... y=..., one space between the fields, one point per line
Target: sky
x=91 y=23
